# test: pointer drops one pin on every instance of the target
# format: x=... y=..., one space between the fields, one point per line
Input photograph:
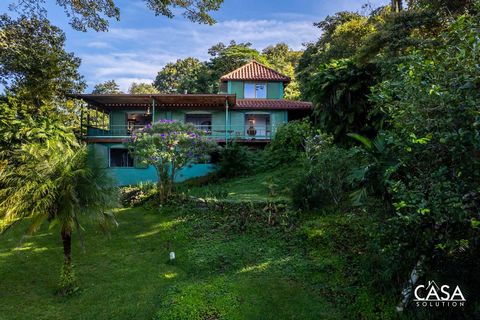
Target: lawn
x=264 y=186
x=299 y=271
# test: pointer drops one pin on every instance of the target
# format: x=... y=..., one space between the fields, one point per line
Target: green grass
x=265 y=186
x=305 y=270
x=218 y=274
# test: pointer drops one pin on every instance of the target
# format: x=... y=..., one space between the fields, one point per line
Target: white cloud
x=130 y=54
x=98 y=45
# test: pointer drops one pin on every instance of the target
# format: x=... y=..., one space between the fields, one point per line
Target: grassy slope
x=261 y=273
x=264 y=186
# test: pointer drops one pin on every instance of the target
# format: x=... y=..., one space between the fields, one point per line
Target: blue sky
x=140 y=44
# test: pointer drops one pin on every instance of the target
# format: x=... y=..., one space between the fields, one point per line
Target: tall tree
x=284 y=60
x=142 y=88
x=34 y=64
x=107 y=87
x=94 y=14
x=182 y=75
x=226 y=58
x=342 y=35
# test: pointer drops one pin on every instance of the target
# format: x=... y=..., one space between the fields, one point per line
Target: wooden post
x=153 y=110
x=226 y=122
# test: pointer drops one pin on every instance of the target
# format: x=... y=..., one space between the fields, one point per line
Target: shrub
x=236 y=160
x=325 y=181
x=288 y=143
x=132 y=196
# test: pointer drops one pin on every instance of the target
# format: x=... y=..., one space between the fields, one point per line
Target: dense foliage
x=184 y=75
x=433 y=107
x=325 y=181
x=236 y=160
x=34 y=64
x=288 y=143
x=405 y=89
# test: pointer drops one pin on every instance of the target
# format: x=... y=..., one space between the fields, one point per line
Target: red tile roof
x=255 y=71
x=271 y=104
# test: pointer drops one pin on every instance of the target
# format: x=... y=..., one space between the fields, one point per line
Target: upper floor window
x=255 y=90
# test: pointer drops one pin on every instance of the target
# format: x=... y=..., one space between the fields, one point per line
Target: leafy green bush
x=236 y=160
x=325 y=181
x=132 y=196
x=432 y=103
x=339 y=90
x=288 y=143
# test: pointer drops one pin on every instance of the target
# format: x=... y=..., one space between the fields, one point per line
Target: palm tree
x=51 y=180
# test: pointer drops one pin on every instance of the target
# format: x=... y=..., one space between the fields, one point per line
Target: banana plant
x=372 y=175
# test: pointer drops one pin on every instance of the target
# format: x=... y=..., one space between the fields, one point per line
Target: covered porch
x=119 y=116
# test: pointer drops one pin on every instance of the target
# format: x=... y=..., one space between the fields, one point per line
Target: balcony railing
x=217 y=132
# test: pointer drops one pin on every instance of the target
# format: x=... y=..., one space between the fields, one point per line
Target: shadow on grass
x=218 y=274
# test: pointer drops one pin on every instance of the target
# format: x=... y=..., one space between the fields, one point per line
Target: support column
x=153 y=110
x=226 y=122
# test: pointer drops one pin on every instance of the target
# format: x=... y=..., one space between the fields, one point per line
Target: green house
x=249 y=109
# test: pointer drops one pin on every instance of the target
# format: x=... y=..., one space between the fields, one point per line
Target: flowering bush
x=168 y=146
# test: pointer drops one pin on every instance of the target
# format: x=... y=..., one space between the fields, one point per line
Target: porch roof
x=117 y=101
x=184 y=101
x=272 y=104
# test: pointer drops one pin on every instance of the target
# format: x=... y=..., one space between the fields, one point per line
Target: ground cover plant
x=221 y=271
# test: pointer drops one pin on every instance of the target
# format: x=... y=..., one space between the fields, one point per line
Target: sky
x=140 y=44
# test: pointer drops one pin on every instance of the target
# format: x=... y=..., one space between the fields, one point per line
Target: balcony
x=246 y=132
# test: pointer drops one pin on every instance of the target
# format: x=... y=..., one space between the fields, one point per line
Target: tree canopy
x=182 y=75
x=95 y=14
x=142 y=88
x=33 y=62
x=107 y=87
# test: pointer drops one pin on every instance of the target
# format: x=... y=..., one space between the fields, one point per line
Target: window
x=201 y=121
x=255 y=90
x=257 y=126
x=120 y=158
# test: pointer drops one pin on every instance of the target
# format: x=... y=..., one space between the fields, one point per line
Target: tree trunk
x=162 y=179
x=67 y=245
x=397 y=5
x=68 y=281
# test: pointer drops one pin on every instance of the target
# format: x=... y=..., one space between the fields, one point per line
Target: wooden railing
x=217 y=132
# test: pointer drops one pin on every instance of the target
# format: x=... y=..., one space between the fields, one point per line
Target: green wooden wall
x=118 y=120
x=140 y=173
x=274 y=89
x=236 y=87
